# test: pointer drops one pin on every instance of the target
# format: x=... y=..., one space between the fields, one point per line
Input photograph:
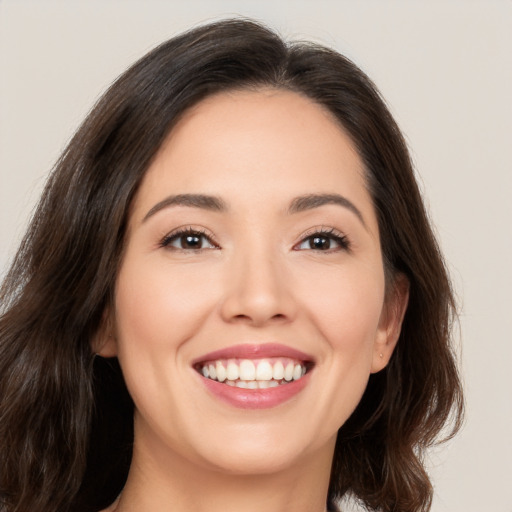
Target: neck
x=170 y=482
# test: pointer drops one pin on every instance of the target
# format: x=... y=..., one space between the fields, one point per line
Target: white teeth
x=247 y=370
x=288 y=372
x=232 y=371
x=278 y=373
x=257 y=374
x=264 y=371
x=221 y=372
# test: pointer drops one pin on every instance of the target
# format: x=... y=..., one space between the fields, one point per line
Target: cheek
x=346 y=304
x=157 y=310
x=346 y=310
x=156 y=306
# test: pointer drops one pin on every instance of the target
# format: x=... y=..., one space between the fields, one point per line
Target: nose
x=258 y=291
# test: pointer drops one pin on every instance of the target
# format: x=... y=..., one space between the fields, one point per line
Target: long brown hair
x=65 y=415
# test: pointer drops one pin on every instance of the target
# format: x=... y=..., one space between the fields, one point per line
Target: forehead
x=261 y=145
x=247 y=115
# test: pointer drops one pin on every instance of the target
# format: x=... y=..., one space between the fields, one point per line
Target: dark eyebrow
x=192 y=200
x=310 y=201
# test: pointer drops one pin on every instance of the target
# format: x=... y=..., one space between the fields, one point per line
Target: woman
x=229 y=296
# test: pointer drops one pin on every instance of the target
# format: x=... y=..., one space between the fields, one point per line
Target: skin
x=256 y=279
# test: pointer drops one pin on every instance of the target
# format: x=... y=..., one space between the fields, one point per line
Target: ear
x=390 y=323
x=104 y=343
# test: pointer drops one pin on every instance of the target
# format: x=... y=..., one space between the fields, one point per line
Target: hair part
x=61 y=407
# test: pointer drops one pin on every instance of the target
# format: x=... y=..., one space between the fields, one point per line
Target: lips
x=255 y=376
x=250 y=351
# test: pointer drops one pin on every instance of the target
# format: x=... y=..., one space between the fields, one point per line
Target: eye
x=323 y=240
x=188 y=239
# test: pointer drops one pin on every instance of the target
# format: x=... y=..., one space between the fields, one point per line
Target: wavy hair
x=65 y=415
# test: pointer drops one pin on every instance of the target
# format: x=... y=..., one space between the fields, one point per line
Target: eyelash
x=191 y=232
x=329 y=234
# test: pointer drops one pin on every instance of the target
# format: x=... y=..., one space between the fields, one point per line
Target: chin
x=261 y=451
x=245 y=461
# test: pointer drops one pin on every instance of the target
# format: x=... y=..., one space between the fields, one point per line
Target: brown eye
x=320 y=243
x=323 y=242
x=189 y=240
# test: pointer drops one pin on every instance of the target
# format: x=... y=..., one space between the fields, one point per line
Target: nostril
x=242 y=317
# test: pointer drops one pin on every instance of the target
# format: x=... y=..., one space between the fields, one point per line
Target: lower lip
x=256 y=398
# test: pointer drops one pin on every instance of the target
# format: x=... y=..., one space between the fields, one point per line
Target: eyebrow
x=310 y=201
x=192 y=200
x=214 y=203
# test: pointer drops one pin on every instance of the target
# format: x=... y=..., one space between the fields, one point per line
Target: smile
x=253 y=374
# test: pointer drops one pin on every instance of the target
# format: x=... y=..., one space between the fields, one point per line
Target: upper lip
x=255 y=351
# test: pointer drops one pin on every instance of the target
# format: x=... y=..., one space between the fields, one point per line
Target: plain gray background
x=445 y=69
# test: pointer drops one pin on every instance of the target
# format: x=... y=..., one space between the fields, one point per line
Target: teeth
x=288 y=372
x=247 y=370
x=259 y=374
x=264 y=371
x=232 y=371
x=221 y=372
x=278 y=373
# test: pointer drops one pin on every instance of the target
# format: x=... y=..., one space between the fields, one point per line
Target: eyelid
x=329 y=232
x=188 y=229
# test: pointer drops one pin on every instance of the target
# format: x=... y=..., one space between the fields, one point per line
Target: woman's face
x=252 y=261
